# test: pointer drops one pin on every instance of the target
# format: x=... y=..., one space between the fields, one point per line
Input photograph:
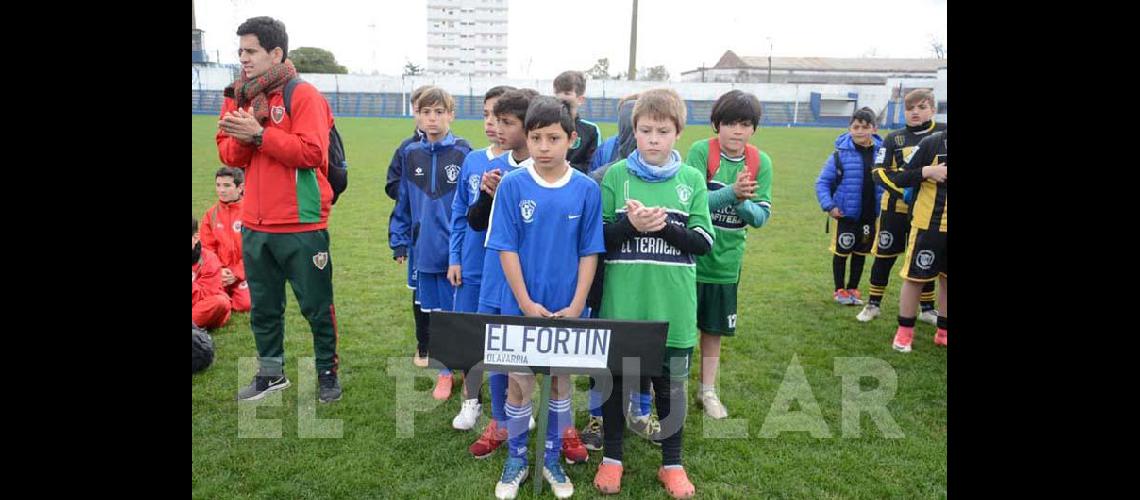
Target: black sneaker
x=592 y=434
x=261 y=386
x=329 y=387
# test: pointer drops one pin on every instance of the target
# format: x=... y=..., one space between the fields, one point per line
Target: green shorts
x=677 y=363
x=716 y=308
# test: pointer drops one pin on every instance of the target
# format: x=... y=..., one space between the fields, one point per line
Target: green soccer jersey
x=647 y=278
x=722 y=264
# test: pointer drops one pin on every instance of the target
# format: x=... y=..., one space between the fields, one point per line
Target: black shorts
x=853 y=236
x=893 y=228
x=925 y=256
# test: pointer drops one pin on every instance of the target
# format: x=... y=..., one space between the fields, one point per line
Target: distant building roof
x=868 y=65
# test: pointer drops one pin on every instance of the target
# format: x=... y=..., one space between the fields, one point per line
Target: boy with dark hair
x=570 y=86
x=465 y=259
x=546 y=224
x=739 y=180
x=894 y=214
x=422 y=217
x=510 y=116
x=847 y=193
x=221 y=234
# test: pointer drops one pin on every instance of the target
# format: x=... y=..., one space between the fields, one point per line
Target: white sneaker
x=559 y=483
x=514 y=473
x=930 y=316
x=713 y=407
x=468 y=415
x=868 y=313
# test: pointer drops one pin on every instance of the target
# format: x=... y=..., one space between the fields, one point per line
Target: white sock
x=608 y=460
x=706 y=388
x=674 y=467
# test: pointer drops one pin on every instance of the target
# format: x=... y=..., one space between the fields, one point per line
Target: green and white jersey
x=647 y=278
x=722 y=264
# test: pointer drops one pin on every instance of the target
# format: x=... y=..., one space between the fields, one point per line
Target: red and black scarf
x=256 y=90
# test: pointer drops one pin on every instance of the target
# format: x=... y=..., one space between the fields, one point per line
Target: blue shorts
x=412 y=270
x=467 y=298
x=434 y=292
x=488 y=309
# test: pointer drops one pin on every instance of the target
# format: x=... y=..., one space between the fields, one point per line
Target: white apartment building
x=467 y=38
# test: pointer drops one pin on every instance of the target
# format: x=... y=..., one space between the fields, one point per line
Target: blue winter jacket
x=847 y=195
x=422 y=217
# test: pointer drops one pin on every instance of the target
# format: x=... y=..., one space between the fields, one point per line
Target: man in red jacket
x=287 y=202
x=221 y=234
x=208 y=300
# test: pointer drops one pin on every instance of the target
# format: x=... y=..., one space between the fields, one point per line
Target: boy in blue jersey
x=547 y=221
x=422 y=217
x=392 y=189
x=465 y=261
x=510 y=114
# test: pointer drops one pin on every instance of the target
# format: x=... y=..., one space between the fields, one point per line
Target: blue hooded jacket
x=847 y=195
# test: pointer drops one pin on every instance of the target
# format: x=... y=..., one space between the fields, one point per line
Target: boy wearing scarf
x=287 y=202
x=656 y=214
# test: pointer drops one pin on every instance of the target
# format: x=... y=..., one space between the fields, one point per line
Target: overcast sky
x=546 y=37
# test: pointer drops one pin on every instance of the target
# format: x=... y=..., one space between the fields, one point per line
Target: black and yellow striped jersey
x=930 y=206
x=898 y=146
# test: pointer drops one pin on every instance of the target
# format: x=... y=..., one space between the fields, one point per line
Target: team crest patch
x=419 y=171
x=452 y=173
x=237 y=226
x=886 y=239
x=924 y=259
x=473 y=185
x=321 y=259
x=277 y=113
x=846 y=240
x=526 y=208
x=684 y=193
x=900 y=140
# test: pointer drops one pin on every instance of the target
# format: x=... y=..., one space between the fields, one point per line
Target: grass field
x=789 y=330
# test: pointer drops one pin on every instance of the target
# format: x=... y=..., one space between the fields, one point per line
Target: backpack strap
x=752 y=160
x=714 y=158
x=838 y=168
x=289 y=87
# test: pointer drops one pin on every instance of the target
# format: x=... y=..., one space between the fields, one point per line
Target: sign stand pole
x=543 y=418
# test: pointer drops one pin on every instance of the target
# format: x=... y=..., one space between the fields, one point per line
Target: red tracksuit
x=221 y=234
x=210 y=304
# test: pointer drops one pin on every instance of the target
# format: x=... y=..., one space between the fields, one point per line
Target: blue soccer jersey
x=550 y=226
x=493 y=283
x=466 y=243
